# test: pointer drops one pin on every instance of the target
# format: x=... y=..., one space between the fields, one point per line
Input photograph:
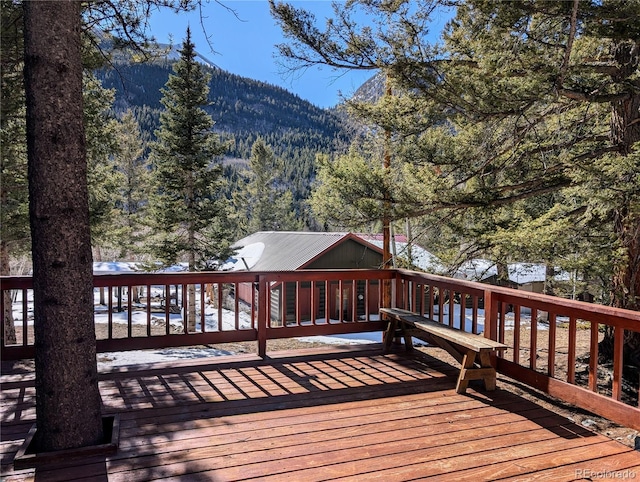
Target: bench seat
x=472 y=351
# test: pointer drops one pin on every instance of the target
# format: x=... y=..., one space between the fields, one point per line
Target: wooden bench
x=472 y=351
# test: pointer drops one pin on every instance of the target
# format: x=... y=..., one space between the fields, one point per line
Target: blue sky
x=246 y=46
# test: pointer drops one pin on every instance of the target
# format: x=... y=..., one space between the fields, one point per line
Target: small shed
x=292 y=251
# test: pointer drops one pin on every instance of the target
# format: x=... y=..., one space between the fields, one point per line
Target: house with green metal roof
x=292 y=251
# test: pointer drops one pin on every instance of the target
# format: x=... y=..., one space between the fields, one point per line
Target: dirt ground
x=590 y=421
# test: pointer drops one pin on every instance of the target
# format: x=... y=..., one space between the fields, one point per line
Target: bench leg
x=468 y=360
x=490 y=377
x=408 y=339
x=387 y=338
x=468 y=372
x=390 y=334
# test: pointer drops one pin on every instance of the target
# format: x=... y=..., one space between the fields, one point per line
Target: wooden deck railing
x=553 y=342
x=143 y=311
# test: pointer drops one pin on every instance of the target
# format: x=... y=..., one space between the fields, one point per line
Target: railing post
x=387 y=293
x=263 y=315
x=490 y=315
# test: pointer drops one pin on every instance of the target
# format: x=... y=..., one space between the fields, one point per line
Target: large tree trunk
x=67 y=397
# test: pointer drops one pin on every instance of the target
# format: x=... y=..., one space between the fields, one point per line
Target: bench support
x=468 y=372
x=473 y=352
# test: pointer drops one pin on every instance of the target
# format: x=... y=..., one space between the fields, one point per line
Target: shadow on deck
x=319 y=414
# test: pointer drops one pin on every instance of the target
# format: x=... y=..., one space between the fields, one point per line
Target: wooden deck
x=347 y=414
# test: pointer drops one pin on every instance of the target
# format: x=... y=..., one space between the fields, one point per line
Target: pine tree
x=103 y=178
x=190 y=219
x=134 y=167
x=265 y=202
x=498 y=114
x=519 y=101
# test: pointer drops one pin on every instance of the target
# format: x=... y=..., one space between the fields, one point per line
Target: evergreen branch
x=594 y=98
x=462 y=204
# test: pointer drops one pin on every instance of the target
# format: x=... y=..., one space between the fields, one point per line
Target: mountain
x=372 y=90
x=242 y=109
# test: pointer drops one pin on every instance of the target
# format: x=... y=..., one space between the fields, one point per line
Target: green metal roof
x=287 y=250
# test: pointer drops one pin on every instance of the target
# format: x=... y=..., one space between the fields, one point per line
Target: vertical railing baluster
x=431 y=302
x=312 y=300
x=283 y=303
x=236 y=305
x=129 y=312
x=571 y=355
x=148 y=308
x=254 y=307
x=414 y=294
x=452 y=308
x=340 y=302
x=533 y=348
x=593 y=357
x=220 y=301
x=504 y=307
x=203 y=321
x=516 y=334
x=110 y=313
x=298 y=308
x=25 y=318
x=551 y=368
x=263 y=314
x=354 y=300
x=618 y=346
x=367 y=287
x=474 y=314
x=185 y=303
x=167 y=302
x=3 y=336
x=327 y=301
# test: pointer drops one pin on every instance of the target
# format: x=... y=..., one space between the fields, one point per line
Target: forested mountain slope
x=242 y=109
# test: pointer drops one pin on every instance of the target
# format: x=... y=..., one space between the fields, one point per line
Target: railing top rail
x=579 y=309
x=444 y=281
x=16 y=282
x=197 y=277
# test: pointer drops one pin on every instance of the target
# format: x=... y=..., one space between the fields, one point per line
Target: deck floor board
x=355 y=414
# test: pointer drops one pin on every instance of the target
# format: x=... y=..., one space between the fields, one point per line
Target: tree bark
x=67 y=397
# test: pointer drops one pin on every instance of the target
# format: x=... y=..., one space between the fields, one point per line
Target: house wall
x=303 y=304
x=534 y=286
x=245 y=292
x=348 y=255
